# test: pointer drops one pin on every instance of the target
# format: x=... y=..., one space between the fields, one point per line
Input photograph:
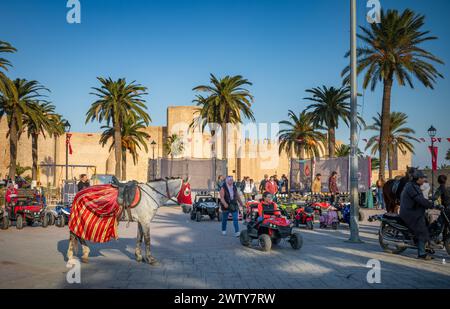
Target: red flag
x=184 y=196
x=448 y=139
x=434 y=156
x=68 y=136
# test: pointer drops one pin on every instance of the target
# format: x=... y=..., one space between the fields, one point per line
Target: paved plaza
x=196 y=255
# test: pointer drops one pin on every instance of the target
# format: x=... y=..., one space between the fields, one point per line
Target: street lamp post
x=354 y=215
x=67 y=130
x=153 y=143
x=432 y=133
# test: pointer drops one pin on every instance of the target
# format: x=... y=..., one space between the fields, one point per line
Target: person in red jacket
x=267 y=207
x=11 y=194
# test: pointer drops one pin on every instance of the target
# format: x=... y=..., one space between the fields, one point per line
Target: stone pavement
x=196 y=255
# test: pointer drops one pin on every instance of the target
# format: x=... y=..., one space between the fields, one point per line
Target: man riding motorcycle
x=412 y=211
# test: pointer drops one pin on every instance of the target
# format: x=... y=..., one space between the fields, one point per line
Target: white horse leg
x=71 y=247
x=148 y=255
x=86 y=250
x=137 y=252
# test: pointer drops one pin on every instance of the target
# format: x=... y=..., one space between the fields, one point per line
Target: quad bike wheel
x=44 y=220
x=198 y=216
x=193 y=213
x=265 y=242
x=310 y=225
x=19 y=222
x=5 y=223
x=212 y=217
x=29 y=222
x=334 y=225
x=244 y=238
x=60 y=221
x=51 y=219
x=296 y=241
x=388 y=248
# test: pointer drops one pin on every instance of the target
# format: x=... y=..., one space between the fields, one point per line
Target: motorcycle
x=395 y=237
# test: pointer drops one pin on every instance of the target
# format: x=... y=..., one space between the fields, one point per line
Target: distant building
x=247 y=154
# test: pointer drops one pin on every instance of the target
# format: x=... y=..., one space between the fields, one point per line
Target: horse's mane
x=163 y=179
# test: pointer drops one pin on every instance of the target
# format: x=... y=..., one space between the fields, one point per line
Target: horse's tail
x=389 y=196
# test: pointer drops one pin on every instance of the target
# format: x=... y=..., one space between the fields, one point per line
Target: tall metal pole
x=354 y=214
x=432 y=169
x=67 y=157
x=153 y=162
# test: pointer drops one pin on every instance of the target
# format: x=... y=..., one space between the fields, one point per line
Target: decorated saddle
x=95 y=212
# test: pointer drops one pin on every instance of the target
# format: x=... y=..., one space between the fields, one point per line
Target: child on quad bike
x=267 y=207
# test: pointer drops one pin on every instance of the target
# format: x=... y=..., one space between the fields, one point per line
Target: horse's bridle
x=167 y=195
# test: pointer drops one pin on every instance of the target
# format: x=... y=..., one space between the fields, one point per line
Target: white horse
x=153 y=195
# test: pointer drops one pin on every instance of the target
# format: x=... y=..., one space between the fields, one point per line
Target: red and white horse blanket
x=95 y=212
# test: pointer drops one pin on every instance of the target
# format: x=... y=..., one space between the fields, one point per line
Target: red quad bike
x=25 y=211
x=304 y=216
x=270 y=231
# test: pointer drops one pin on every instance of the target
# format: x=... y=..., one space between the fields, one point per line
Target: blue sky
x=283 y=47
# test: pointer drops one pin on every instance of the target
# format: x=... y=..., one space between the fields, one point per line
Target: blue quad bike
x=60 y=215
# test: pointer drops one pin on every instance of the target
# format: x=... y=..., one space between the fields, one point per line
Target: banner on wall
x=303 y=171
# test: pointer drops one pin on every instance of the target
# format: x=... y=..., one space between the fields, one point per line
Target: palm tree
x=118 y=102
x=331 y=104
x=4 y=63
x=227 y=101
x=16 y=102
x=375 y=163
x=300 y=136
x=173 y=146
x=399 y=137
x=344 y=151
x=133 y=138
x=393 y=51
x=44 y=120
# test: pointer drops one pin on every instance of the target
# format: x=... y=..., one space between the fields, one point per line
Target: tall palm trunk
x=34 y=155
x=117 y=149
x=13 y=140
x=224 y=142
x=124 y=165
x=331 y=142
x=390 y=161
x=385 y=123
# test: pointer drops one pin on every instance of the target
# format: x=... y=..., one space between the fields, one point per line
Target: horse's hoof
x=152 y=261
x=139 y=258
x=85 y=260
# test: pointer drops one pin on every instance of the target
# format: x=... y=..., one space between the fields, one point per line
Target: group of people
x=248 y=187
x=230 y=201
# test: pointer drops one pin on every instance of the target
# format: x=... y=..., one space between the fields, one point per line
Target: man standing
x=412 y=210
x=83 y=183
x=317 y=185
x=229 y=198
x=332 y=186
x=262 y=185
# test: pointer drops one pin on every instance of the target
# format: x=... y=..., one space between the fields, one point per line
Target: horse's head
x=174 y=186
